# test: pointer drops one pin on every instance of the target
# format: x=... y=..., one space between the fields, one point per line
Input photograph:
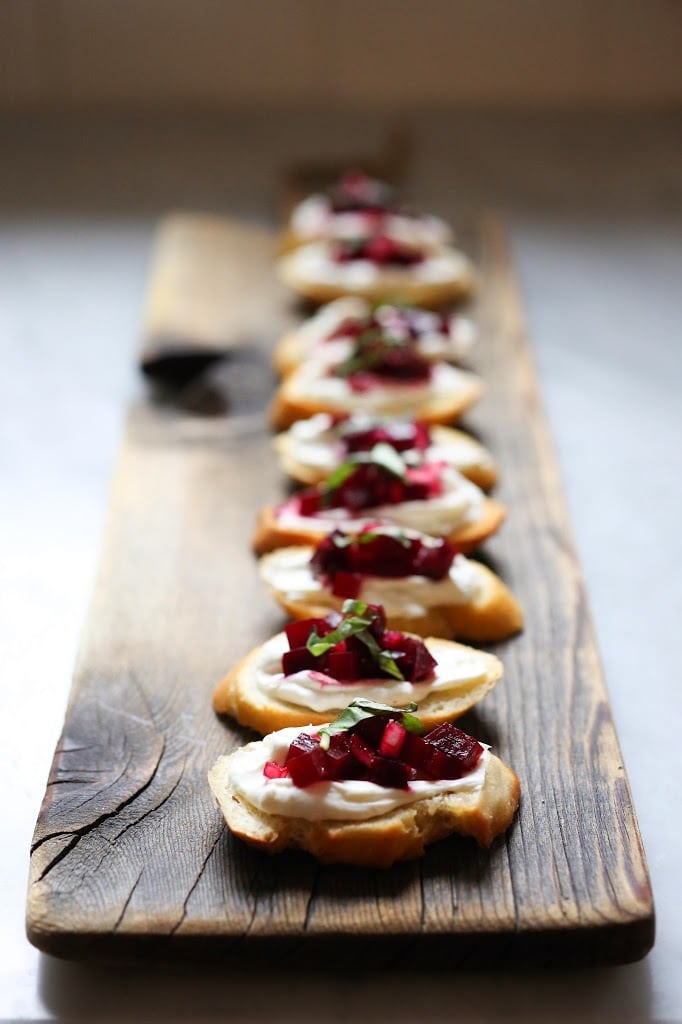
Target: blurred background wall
x=155 y=54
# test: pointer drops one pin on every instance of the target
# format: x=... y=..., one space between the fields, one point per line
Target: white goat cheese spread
x=460 y=503
x=351 y=800
x=288 y=571
x=315 y=442
x=458 y=667
x=314 y=218
x=314 y=263
x=312 y=382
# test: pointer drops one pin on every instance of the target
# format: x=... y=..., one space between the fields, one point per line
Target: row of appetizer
x=360 y=762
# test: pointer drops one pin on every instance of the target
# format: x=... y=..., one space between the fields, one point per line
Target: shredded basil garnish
x=360 y=709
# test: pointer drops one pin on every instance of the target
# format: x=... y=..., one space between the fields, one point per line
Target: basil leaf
x=385 y=455
x=354 y=625
x=340 y=474
x=412 y=723
x=360 y=709
x=388 y=663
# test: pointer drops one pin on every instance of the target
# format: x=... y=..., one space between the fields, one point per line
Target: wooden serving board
x=130 y=854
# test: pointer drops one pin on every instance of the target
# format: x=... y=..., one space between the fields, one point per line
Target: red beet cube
x=460 y=752
x=341 y=764
x=307 y=503
x=370 y=730
x=362 y=750
x=384 y=772
x=298 y=632
x=298 y=660
x=346 y=584
x=303 y=744
x=392 y=739
x=343 y=664
x=416 y=752
x=307 y=769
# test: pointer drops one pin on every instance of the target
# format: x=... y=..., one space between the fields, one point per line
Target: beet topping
x=378 y=744
x=358 y=193
x=401 y=322
x=354 y=646
x=402 y=435
x=380 y=249
x=369 y=480
x=378 y=359
x=342 y=559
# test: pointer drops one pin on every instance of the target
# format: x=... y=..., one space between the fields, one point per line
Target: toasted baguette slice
x=271 y=533
x=304 y=393
x=379 y=842
x=239 y=695
x=446 y=275
x=460 y=450
x=493 y=614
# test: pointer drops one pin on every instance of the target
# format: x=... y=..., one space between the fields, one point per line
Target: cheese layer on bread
x=351 y=800
x=460 y=503
x=314 y=442
x=288 y=572
x=312 y=383
x=457 y=668
x=432 y=342
x=315 y=263
x=314 y=218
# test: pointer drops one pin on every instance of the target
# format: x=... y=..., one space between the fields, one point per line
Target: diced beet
x=385 y=554
x=298 y=632
x=416 y=752
x=308 y=768
x=426 y=481
x=340 y=741
x=346 y=584
x=416 y=662
x=307 y=502
x=272 y=770
x=303 y=744
x=384 y=772
x=341 y=764
x=298 y=660
x=362 y=750
x=401 y=435
x=460 y=751
x=392 y=739
x=370 y=730
x=343 y=664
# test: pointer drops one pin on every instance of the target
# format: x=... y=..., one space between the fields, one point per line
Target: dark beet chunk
x=303 y=744
x=460 y=752
x=309 y=768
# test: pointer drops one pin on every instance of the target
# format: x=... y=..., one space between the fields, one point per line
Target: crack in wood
x=311 y=897
x=157 y=807
x=196 y=881
x=85 y=829
x=127 y=902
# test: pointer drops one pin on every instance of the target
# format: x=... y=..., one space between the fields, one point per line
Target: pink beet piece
x=393 y=738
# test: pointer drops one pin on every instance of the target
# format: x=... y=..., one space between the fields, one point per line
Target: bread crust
x=428 y=294
x=271 y=534
x=401 y=834
x=238 y=695
x=287 y=407
x=493 y=616
x=483 y=474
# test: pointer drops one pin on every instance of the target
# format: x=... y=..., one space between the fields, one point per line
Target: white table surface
x=594 y=206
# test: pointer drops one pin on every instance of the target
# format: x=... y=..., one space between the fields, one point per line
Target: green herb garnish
x=360 y=709
x=358 y=619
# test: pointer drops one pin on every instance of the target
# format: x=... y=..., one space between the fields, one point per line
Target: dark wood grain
x=130 y=856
